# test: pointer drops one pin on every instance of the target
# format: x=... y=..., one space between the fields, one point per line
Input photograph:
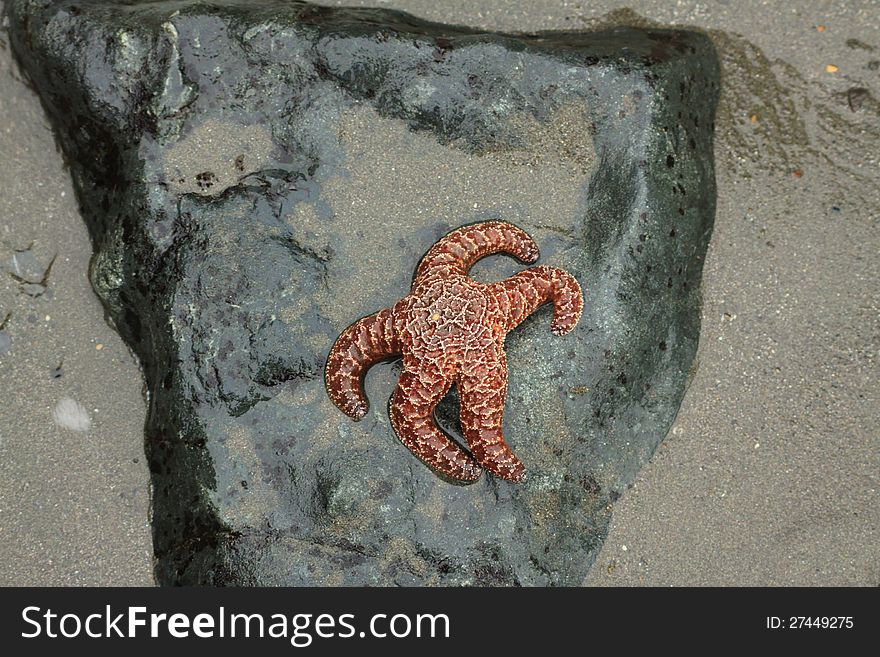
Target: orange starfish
x=450 y=329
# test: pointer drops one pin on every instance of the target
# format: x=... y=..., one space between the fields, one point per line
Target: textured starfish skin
x=450 y=330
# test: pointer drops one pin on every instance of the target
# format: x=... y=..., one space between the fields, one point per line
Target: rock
x=26 y=268
x=5 y=342
x=32 y=289
x=856 y=97
x=32 y=276
x=257 y=175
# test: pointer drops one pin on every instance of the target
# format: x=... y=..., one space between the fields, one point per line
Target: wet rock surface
x=257 y=176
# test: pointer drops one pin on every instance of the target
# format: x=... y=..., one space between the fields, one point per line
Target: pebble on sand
x=70 y=414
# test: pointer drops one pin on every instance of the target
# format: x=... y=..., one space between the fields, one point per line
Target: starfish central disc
x=450 y=331
x=448 y=319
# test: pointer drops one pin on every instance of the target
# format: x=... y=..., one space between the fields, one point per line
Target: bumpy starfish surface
x=450 y=329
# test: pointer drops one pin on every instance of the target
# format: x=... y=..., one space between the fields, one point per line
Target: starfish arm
x=361 y=345
x=418 y=392
x=460 y=249
x=482 y=392
x=519 y=296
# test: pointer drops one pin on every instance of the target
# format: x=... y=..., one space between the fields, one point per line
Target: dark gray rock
x=257 y=175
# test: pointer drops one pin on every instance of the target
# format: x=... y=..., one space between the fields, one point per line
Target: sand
x=771 y=472
x=74 y=489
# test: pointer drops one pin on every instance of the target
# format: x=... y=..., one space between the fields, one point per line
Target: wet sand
x=73 y=504
x=771 y=472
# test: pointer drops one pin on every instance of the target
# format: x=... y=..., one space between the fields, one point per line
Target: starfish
x=450 y=329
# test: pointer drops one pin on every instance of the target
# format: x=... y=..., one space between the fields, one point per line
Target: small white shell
x=70 y=414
